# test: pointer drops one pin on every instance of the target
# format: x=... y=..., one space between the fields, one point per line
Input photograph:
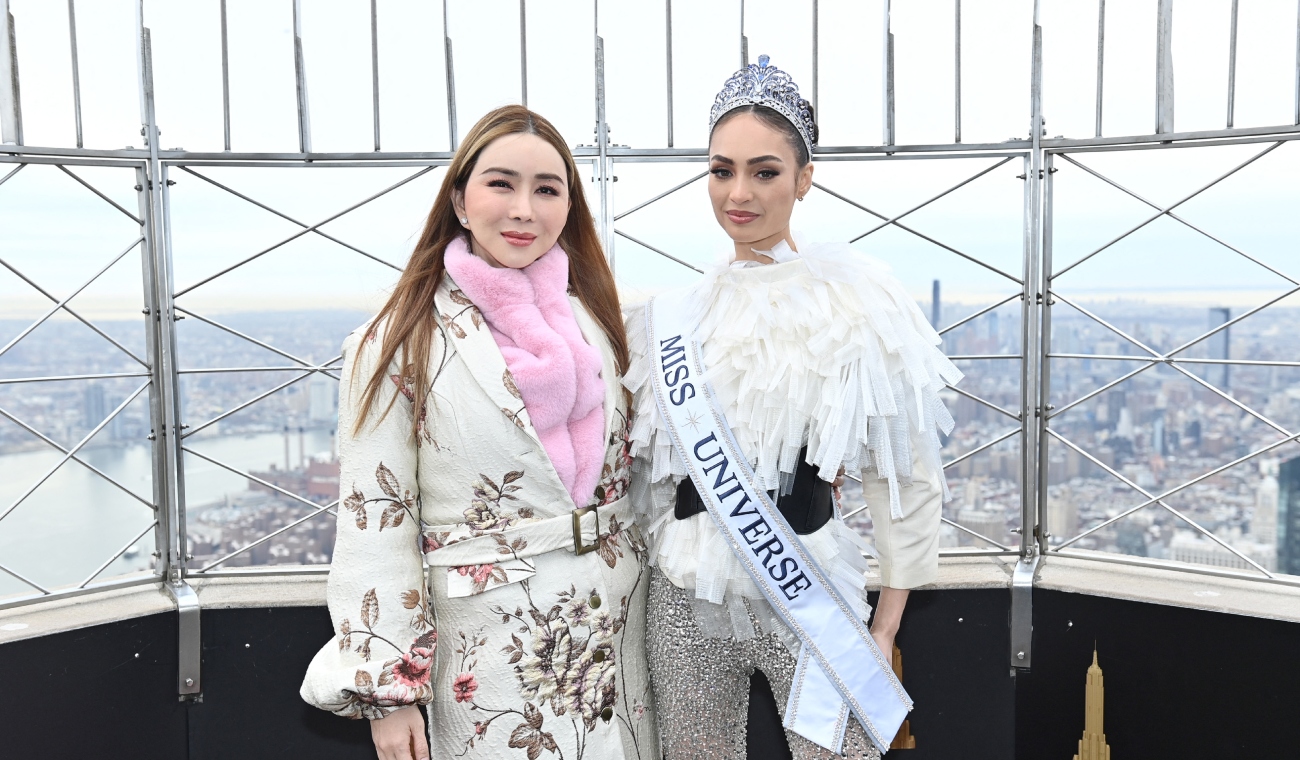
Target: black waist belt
x=807 y=507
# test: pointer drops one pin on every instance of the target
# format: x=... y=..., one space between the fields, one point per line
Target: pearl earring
x=464 y=220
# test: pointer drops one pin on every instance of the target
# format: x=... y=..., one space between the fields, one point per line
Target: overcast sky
x=60 y=234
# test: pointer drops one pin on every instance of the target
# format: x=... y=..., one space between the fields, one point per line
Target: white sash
x=840 y=667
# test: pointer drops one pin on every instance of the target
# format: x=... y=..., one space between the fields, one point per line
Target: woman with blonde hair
x=486 y=565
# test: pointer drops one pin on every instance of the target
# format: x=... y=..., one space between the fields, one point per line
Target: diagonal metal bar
x=286 y=217
x=1156 y=357
x=102 y=197
x=74 y=313
x=1183 y=487
x=119 y=553
x=923 y=204
x=921 y=235
x=1013 y=297
x=1099 y=320
x=28 y=581
x=1178 y=218
x=306 y=364
x=1244 y=315
x=1230 y=399
x=982 y=447
x=1167 y=209
x=320 y=510
x=305 y=230
x=1160 y=502
x=61 y=304
x=666 y=255
x=227 y=370
x=980 y=536
x=249 y=403
x=15 y=170
x=58 y=378
x=72 y=452
x=661 y=196
x=20 y=423
x=979 y=400
x=253 y=478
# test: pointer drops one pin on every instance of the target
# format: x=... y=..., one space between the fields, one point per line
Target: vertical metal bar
x=668 y=36
x=300 y=76
x=744 y=41
x=816 y=19
x=957 y=71
x=374 y=66
x=1165 y=67
x=1232 y=66
x=602 y=145
x=1297 y=66
x=225 y=76
x=887 y=137
x=1031 y=350
x=1044 y=390
x=165 y=381
x=11 y=107
x=76 y=69
x=452 y=136
x=1101 y=57
x=1032 y=344
x=523 y=52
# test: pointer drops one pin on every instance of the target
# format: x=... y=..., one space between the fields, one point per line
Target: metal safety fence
x=1016 y=418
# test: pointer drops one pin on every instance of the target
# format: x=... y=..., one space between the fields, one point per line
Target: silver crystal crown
x=763 y=85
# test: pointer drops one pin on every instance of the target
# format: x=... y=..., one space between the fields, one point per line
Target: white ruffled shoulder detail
x=824 y=349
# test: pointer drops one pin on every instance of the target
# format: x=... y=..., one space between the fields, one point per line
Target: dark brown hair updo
x=775 y=120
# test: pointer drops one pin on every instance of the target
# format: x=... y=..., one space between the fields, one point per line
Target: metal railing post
x=1031 y=410
x=11 y=108
x=887 y=86
x=300 y=80
x=1165 y=67
x=172 y=544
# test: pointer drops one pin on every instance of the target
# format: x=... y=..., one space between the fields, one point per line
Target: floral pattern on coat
x=565 y=658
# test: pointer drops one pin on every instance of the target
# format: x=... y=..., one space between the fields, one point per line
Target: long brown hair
x=410 y=313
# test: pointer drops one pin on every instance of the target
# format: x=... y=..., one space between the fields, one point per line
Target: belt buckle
x=578 y=548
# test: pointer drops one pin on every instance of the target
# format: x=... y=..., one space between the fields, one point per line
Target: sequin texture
x=701 y=684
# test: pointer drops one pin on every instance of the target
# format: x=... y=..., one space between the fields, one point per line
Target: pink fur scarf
x=556 y=371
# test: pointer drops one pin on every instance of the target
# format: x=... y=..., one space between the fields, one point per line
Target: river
x=76 y=520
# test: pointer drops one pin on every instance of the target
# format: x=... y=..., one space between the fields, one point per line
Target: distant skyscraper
x=94 y=407
x=1219 y=345
x=1288 y=517
x=1263 y=524
x=322 y=400
x=936 y=308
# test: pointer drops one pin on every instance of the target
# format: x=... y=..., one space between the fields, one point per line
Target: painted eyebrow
x=515 y=174
x=756 y=160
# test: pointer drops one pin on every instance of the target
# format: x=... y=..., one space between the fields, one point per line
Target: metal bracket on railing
x=189 y=648
x=1022 y=611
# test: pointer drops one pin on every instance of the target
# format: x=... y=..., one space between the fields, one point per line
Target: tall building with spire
x=1093 y=745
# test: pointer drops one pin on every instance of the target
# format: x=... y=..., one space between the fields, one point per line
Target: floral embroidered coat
x=455 y=582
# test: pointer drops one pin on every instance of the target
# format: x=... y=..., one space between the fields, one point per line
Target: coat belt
x=578 y=531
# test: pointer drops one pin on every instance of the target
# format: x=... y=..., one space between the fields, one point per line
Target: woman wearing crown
x=754 y=390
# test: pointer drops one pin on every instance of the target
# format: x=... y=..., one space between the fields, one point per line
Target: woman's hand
x=400 y=736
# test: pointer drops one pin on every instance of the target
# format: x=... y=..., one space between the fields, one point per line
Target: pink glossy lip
x=741 y=217
x=520 y=239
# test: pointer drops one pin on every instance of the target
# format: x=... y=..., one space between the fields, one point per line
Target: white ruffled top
x=823 y=348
